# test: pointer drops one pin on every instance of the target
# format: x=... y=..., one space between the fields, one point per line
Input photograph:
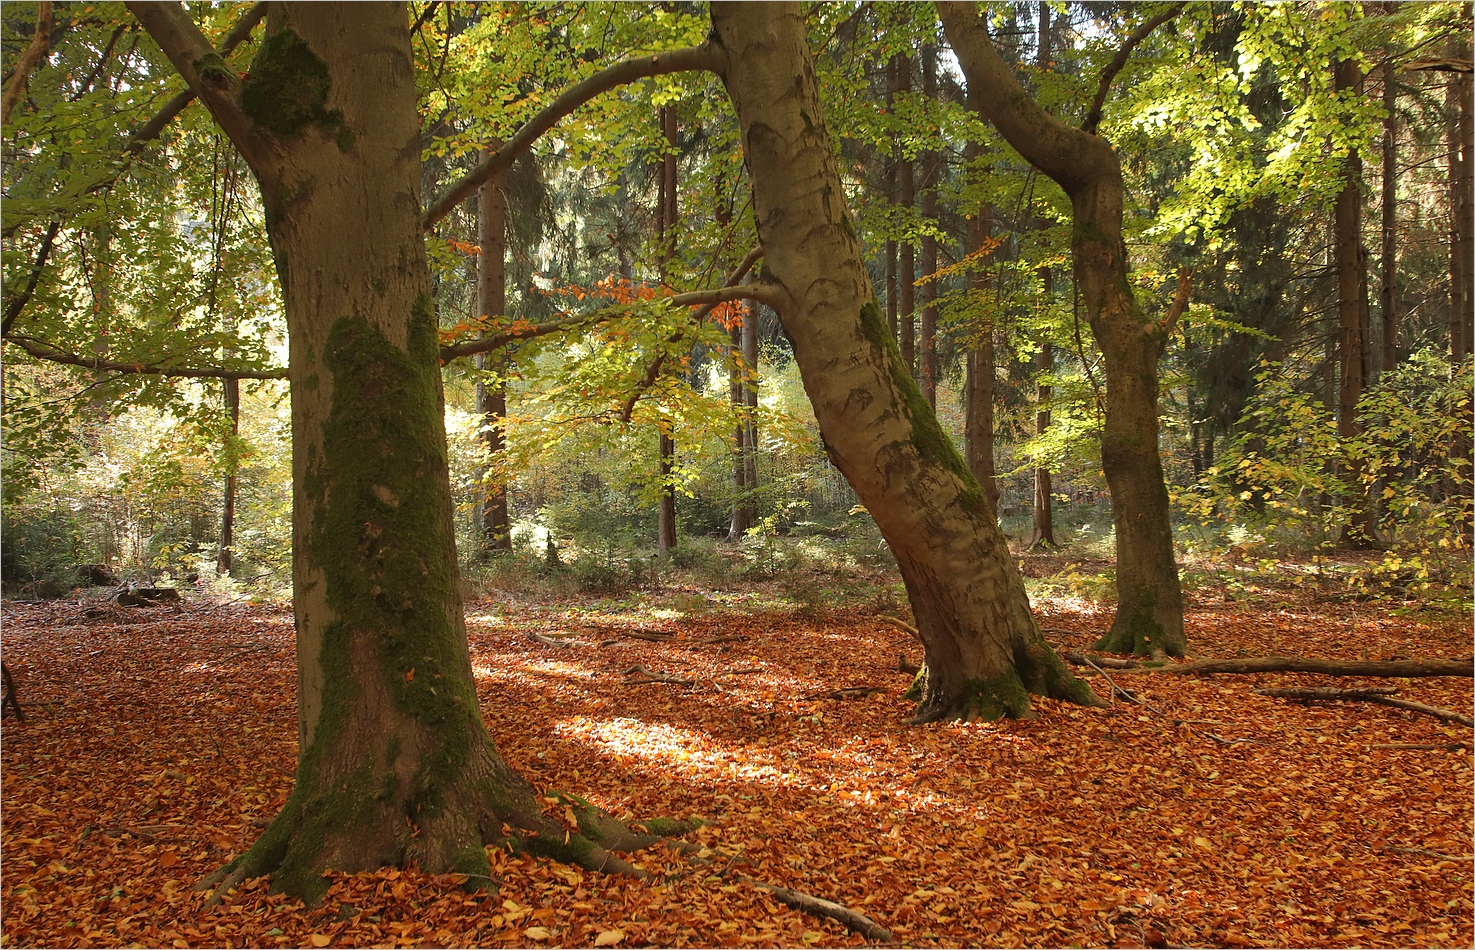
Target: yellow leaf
x=608 y=938
x=1025 y=905
x=537 y=933
x=319 y=940
x=1204 y=843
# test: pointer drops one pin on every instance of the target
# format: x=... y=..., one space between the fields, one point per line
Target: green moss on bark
x=288 y=88
x=997 y=698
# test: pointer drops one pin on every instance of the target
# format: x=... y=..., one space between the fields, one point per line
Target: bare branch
x=1143 y=31
x=44 y=351
x=690 y=58
x=20 y=77
x=425 y=15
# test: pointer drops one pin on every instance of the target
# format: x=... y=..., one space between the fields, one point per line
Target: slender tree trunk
x=1149 y=616
x=906 y=316
x=893 y=195
x=1388 y=292
x=491 y=382
x=395 y=764
x=1461 y=149
x=984 y=652
x=224 y=559
x=978 y=402
x=666 y=225
x=1043 y=531
x=1351 y=265
x=930 y=159
x=750 y=414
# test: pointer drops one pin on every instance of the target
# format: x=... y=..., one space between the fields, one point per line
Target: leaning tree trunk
x=984 y=653
x=1149 y=616
x=395 y=763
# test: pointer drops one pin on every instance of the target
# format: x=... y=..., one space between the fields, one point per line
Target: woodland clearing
x=157 y=741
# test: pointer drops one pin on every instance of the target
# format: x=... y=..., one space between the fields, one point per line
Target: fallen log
x=1106 y=662
x=1293 y=664
x=639 y=675
x=1379 y=696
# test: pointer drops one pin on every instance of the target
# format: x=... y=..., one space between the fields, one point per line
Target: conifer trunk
x=984 y=653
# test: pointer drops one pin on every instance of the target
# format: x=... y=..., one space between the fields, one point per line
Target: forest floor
x=157 y=741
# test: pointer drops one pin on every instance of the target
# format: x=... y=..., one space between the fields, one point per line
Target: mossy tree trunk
x=396 y=765
x=984 y=651
x=1149 y=616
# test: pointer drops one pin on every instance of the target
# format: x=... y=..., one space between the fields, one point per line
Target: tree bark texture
x=1042 y=534
x=395 y=763
x=984 y=651
x=1149 y=616
x=1458 y=140
x=491 y=383
x=224 y=559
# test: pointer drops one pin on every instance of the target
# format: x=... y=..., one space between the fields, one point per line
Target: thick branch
x=639 y=67
x=1071 y=157
x=18 y=303
x=20 y=77
x=151 y=129
x=1180 y=302
x=1367 y=696
x=1093 y=117
x=188 y=49
x=1291 y=664
x=43 y=351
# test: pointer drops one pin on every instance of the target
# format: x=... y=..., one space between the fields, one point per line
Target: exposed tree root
x=1378 y=695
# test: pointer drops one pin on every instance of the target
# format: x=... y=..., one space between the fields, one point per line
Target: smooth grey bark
x=1149 y=614
x=978 y=393
x=984 y=652
x=395 y=763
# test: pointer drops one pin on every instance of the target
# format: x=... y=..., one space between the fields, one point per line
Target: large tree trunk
x=1149 y=616
x=491 y=383
x=984 y=652
x=395 y=763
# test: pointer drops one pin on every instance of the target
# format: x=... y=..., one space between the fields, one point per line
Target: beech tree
x=1149 y=615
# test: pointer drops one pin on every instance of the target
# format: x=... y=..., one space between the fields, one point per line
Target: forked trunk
x=984 y=652
x=1149 y=616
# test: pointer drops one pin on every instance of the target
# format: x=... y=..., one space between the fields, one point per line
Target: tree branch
x=44 y=351
x=20 y=77
x=703 y=57
x=16 y=305
x=1071 y=157
x=188 y=49
x=1093 y=116
x=152 y=129
x=1180 y=301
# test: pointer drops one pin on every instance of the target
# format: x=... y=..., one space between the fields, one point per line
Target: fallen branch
x=1379 y=696
x=852 y=920
x=639 y=675
x=1426 y=746
x=1115 y=689
x=1109 y=662
x=849 y=692
x=549 y=641
x=650 y=635
x=729 y=638
x=1291 y=664
x=901 y=625
x=743 y=672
